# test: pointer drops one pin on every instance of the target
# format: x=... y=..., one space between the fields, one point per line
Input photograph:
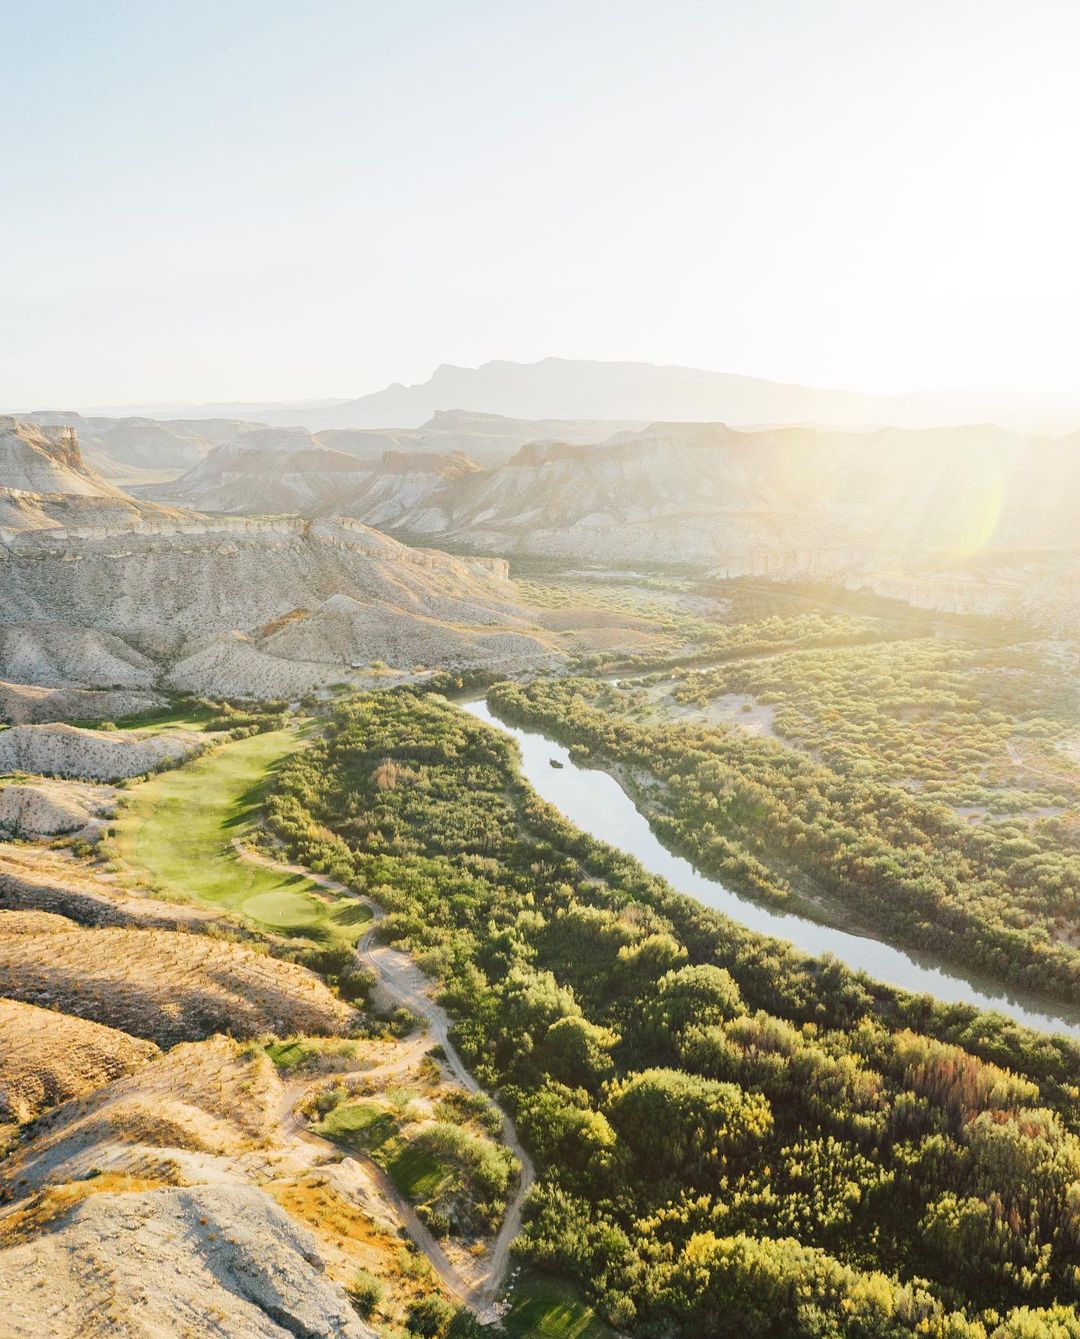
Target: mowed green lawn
x=179 y=827
x=358 y=1124
x=542 y=1307
x=182 y=716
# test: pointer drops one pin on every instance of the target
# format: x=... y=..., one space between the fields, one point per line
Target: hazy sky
x=258 y=199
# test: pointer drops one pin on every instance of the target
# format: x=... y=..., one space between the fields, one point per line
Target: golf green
x=179 y=829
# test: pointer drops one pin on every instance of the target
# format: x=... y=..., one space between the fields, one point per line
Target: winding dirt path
x=405 y=986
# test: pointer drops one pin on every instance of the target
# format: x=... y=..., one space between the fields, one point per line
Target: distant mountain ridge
x=636 y=393
x=562 y=388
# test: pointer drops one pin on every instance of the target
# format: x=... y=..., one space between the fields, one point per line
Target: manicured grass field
x=417 y=1173
x=547 y=1308
x=299 y=1052
x=179 y=827
x=358 y=1124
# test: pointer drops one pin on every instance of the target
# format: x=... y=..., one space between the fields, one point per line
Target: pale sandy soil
x=740 y=710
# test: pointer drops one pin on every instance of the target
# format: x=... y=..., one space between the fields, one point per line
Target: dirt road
x=403 y=985
x=1018 y=759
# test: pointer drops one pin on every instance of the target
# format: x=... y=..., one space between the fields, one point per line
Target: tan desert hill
x=46 y=460
x=141 y=1203
x=137 y=449
x=200 y=597
x=131 y=442
x=39 y=809
x=192 y=1167
x=195 y=1168
x=53 y=655
x=161 y=985
x=146 y=452
x=929 y=488
x=25 y=704
x=60 y=750
x=46 y=482
x=50 y=1057
x=224 y=1256
x=33 y=879
x=197 y=1103
x=21 y=511
x=489 y=439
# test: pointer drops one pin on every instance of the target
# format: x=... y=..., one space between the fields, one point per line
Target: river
x=596 y=803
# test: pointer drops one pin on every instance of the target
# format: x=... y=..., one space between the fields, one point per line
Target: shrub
x=431 y=1316
x=365 y=1293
